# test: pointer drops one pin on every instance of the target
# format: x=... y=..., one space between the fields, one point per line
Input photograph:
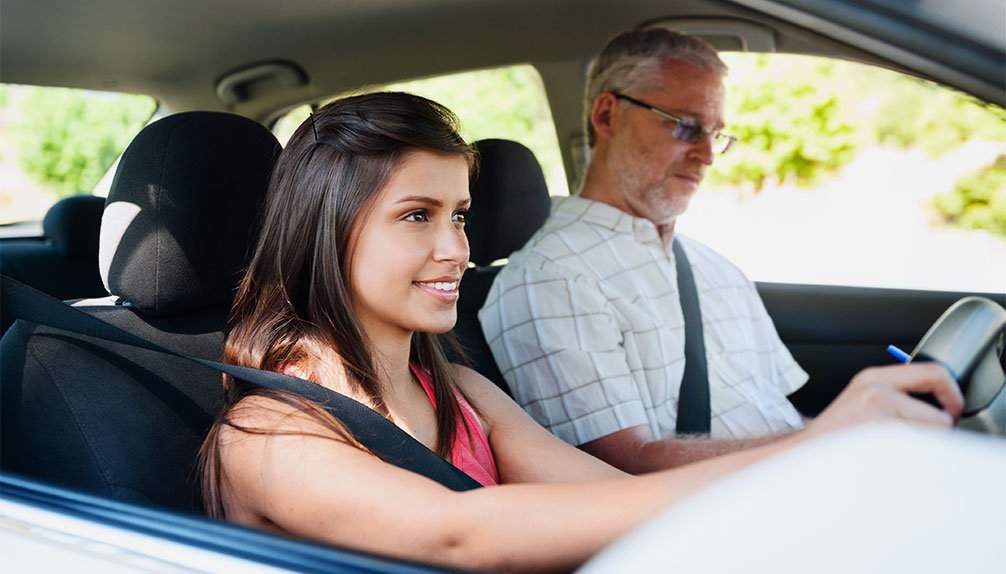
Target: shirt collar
x=607 y=216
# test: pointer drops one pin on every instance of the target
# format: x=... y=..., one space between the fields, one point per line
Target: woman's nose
x=452 y=245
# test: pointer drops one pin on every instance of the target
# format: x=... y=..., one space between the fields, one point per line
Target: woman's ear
x=602 y=113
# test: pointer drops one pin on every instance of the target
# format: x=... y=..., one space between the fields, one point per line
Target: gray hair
x=630 y=62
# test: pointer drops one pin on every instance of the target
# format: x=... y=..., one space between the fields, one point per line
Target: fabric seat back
x=64 y=261
x=510 y=202
x=176 y=232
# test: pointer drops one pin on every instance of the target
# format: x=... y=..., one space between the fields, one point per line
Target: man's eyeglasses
x=687 y=130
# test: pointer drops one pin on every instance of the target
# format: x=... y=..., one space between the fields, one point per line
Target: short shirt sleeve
x=787 y=373
x=558 y=344
x=777 y=362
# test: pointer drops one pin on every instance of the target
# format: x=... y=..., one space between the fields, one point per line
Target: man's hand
x=881 y=394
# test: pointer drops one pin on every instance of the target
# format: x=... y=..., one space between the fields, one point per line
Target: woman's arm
x=523 y=449
x=325 y=489
x=311 y=484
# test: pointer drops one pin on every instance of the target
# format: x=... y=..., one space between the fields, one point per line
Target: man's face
x=656 y=174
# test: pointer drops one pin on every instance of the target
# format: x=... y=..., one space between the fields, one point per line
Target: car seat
x=510 y=202
x=64 y=261
x=176 y=231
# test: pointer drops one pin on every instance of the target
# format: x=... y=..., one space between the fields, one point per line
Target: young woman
x=358 y=265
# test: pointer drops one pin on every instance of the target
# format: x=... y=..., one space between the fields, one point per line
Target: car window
x=849 y=174
x=57 y=142
x=507 y=102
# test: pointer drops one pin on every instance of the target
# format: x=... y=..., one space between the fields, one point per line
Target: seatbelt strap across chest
x=693 y=397
x=377 y=433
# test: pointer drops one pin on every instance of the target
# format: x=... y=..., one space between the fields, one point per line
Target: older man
x=585 y=321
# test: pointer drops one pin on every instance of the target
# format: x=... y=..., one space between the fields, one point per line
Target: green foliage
x=801 y=119
x=916 y=113
x=790 y=125
x=978 y=200
x=505 y=103
x=500 y=103
x=67 y=139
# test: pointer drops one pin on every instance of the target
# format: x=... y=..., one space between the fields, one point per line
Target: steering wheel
x=969 y=340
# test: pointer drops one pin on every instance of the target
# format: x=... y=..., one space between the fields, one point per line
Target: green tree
x=978 y=200
x=505 y=103
x=803 y=118
x=790 y=124
x=917 y=113
x=67 y=139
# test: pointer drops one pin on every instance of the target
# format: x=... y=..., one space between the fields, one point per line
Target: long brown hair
x=294 y=305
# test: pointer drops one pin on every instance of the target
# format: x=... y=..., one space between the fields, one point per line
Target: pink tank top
x=471 y=456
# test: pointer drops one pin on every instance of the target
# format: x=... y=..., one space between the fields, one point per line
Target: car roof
x=184 y=53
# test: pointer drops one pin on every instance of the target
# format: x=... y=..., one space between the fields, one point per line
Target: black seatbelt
x=693 y=396
x=377 y=433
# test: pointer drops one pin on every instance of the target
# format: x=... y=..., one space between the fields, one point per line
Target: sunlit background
x=847 y=174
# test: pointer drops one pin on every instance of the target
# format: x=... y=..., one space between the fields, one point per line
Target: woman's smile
x=444 y=289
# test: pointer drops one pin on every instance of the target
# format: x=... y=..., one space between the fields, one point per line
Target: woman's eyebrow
x=432 y=201
x=421 y=199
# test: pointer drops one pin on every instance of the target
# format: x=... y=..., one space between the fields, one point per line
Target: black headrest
x=180 y=216
x=72 y=224
x=509 y=200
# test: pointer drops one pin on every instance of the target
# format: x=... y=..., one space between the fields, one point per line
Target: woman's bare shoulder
x=491 y=401
x=476 y=386
x=261 y=437
x=260 y=418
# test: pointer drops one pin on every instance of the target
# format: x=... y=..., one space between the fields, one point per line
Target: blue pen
x=899 y=354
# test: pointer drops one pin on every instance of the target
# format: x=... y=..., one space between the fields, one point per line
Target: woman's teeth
x=439 y=286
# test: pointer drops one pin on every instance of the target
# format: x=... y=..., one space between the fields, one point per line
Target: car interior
x=63 y=262
x=510 y=202
x=79 y=397
x=161 y=255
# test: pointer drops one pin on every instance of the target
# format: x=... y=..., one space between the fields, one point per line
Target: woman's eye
x=417 y=215
x=460 y=216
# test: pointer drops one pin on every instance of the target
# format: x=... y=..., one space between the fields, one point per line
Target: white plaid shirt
x=586 y=327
